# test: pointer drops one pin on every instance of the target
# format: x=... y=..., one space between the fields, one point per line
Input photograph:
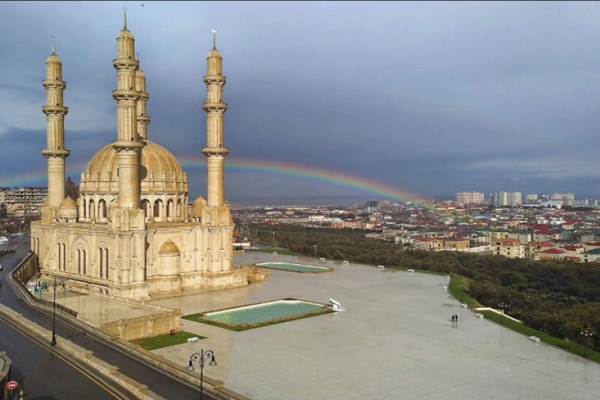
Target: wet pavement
x=394 y=341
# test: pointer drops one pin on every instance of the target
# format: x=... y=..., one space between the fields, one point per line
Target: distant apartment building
x=565 y=198
x=470 y=197
x=426 y=243
x=509 y=248
x=532 y=198
x=510 y=199
x=24 y=200
x=454 y=243
x=372 y=206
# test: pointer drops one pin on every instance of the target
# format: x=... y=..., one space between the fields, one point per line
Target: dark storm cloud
x=430 y=97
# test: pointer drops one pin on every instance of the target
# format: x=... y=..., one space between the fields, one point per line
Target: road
x=156 y=381
x=43 y=374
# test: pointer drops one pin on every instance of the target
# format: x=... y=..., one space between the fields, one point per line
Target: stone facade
x=130 y=233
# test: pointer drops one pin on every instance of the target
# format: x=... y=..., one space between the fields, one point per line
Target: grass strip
x=166 y=340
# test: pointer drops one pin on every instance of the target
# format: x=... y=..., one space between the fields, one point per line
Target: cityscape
x=311 y=200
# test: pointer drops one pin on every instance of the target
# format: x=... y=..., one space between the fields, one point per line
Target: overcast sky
x=427 y=97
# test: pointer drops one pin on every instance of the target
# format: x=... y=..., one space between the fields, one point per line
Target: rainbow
x=361 y=184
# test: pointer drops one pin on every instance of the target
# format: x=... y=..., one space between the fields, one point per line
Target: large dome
x=160 y=171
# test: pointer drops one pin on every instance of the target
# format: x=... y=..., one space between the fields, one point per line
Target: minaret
x=215 y=151
x=142 y=119
x=55 y=151
x=128 y=144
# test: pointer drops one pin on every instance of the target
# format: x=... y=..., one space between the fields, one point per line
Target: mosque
x=130 y=233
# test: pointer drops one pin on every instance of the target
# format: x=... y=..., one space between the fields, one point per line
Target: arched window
x=84 y=203
x=101 y=264
x=59 y=253
x=169 y=208
x=179 y=208
x=102 y=212
x=106 y=263
x=92 y=210
x=158 y=208
x=146 y=207
x=63 y=261
x=84 y=262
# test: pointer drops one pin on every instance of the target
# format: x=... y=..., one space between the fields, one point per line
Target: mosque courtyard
x=395 y=341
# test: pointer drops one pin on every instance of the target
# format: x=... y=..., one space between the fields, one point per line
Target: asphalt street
x=158 y=382
x=43 y=374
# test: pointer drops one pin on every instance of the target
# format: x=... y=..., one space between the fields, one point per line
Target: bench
x=274 y=253
x=380 y=267
x=479 y=315
x=193 y=339
x=321 y=259
x=412 y=271
x=345 y=263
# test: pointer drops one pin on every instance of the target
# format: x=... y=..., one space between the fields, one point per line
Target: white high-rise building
x=515 y=199
x=470 y=197
x=566 y=198
x=512 y=199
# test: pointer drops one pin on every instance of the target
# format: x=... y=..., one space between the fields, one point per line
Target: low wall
x=5 y=362
x=27 y=268
x=256 y=274
x=146 y=326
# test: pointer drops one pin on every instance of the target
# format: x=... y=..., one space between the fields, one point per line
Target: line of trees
x=561 y=298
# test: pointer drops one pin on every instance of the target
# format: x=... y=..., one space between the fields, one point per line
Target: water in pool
x=293 y=267
x=261 y=313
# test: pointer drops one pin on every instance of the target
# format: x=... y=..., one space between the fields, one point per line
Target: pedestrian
x=455 y=318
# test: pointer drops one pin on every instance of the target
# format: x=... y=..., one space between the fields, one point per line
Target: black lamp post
x=200 y=358
x=53 y=342
x=315 y=251
x=462 y=291
x=503 y=307
x=585 y=336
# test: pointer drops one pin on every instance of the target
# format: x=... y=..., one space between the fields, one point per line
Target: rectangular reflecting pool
x=259 y=314
x=294 y=267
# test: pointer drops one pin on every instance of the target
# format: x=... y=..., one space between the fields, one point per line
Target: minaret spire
x=214 y=107
x=55 y=111
x=127 y=96
x=142 y=119
x=214 y=39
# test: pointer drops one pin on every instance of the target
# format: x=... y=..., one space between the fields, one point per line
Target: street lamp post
x=200 y=358
x=503 y=307
x=273 y=232
x=462 y=291
x=53 y=341
x=315 y=251
x=585 y=336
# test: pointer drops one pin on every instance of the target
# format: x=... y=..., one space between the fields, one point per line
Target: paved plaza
x=97 y=310
x=395 y=341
